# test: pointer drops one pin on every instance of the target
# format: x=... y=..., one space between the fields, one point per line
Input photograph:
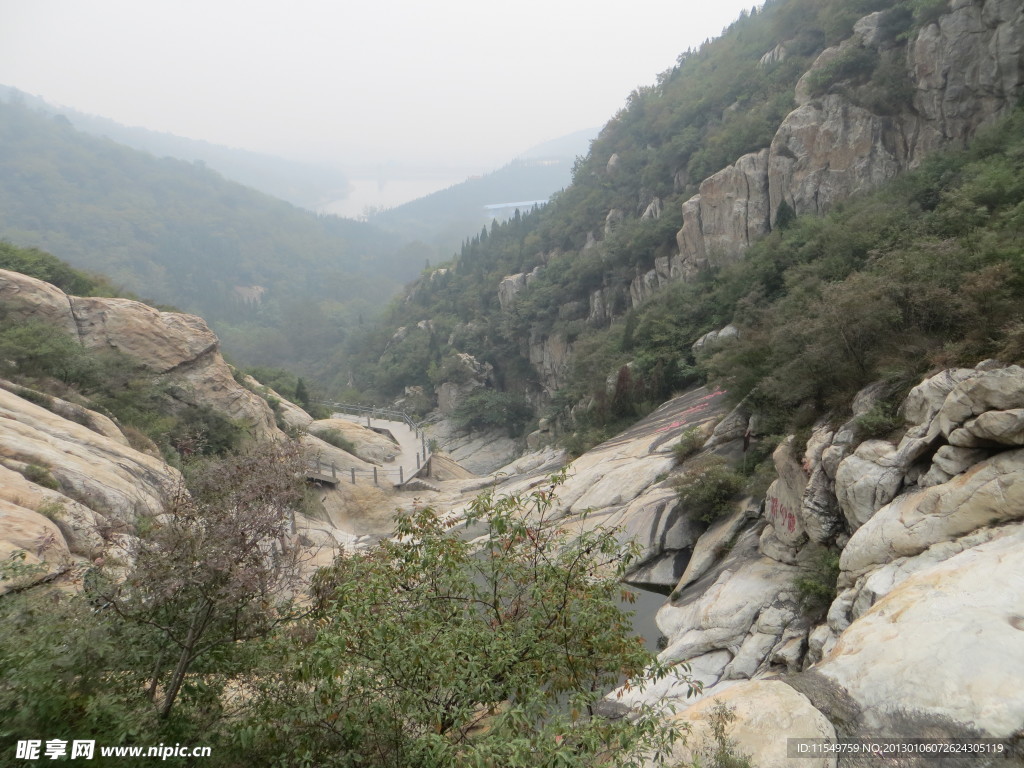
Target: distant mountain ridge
x=301 y=184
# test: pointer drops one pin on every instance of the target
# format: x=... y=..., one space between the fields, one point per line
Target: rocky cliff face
x=181 y=348
x=927 y=620
x=966 y=70
x=72 y=487
x=955 y=75
x=68 y=491
x=70 y=484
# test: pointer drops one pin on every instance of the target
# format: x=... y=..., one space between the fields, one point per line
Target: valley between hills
x=761 y=360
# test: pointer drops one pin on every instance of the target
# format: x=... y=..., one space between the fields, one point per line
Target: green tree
x=211 y=572
x=434 y=650
x=301 y=393
x=38 y=349
x=56 y=658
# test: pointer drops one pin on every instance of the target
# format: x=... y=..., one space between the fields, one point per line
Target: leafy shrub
x=40 y=476
x=200 y=429
x=855 y=63
x=338 y=440
x=785 y=215
x=928 y=11
x=44 y=266
x=721 y=751
x=451 y=369
x=37 y=349
x=890 y=89
x=709 y=490
x=691 y=441
x=517 y=635
x=895 y=24
x=817 y=588
x=879 y=421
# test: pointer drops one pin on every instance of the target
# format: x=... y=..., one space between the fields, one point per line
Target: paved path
x=410 y=457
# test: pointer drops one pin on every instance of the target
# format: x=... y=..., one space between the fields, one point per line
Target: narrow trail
x=412 y=447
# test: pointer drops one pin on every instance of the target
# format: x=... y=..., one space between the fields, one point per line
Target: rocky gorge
x=868 y=580
x=928 y=526
x=921 y=635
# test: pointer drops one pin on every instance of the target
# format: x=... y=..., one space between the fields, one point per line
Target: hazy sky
x=447 y=82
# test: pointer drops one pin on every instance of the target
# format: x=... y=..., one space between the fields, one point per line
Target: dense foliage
x=44 y=266
x=144 y=652
x=427 y=650
x=922 y=274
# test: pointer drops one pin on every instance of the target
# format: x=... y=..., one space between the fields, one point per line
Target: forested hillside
x=279 y=284
x=588 y=309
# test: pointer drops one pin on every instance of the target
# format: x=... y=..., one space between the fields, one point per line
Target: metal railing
x=328 y=471
x=384 y=414
x=387 y=414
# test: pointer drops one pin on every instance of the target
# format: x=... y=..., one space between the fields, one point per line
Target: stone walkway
x=411 y=455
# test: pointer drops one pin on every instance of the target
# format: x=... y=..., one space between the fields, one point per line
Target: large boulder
x=784 y=498
x=731 y=210
x=829 y=149
x=179 y=347
x=81 y=527
x=1001 y=389
x=868 y=480
x=550 y=354
x=289 y=415
x=719 y=611
x=990 y=428
x=105 y=475
x=942 y=651
x=26 y=298
x=509 y=288
x=989 y=493
x=161 y=341
x=68 y=492
x=465 y=374
x=480 y=452
x=32 y=546
x=665 y=534
x=767 y=714
x=97 y=422
x=967 y=71
x=719 y=538
x=714 y=339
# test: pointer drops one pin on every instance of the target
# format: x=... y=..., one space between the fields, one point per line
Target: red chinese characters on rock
x=780 y=514
x=687 y=417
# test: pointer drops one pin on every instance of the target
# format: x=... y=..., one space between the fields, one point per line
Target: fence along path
x=414 y=450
